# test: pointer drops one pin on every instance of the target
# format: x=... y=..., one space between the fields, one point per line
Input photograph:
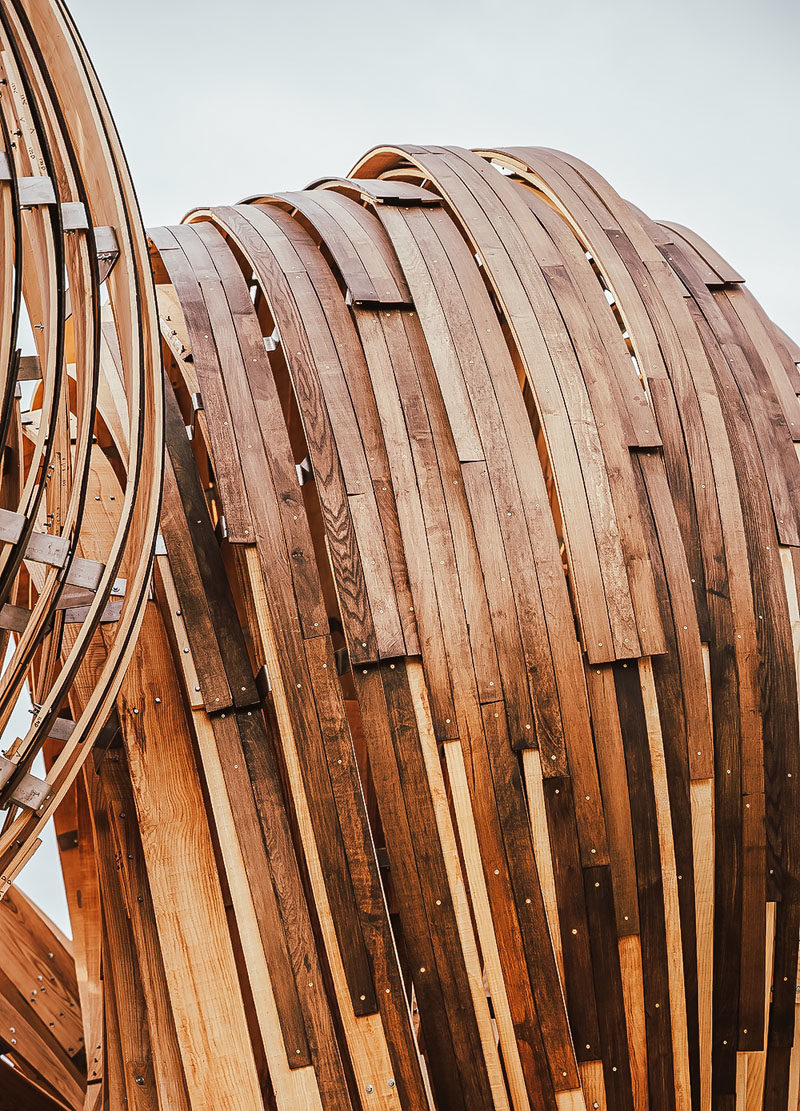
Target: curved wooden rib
x=525 y=426
x=74 y=212
x=40 y=1016
x=456 y=765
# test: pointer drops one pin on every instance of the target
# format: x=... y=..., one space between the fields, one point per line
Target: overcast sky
x=688 y=107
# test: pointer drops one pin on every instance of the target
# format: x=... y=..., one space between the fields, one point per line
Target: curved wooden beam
x=456 y=765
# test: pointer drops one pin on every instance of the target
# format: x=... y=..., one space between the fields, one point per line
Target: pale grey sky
x=690 y=109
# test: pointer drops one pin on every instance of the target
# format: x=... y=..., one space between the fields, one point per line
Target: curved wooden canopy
x=456 y=763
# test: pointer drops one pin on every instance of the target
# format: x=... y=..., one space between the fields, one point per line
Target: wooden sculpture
x=416 y=557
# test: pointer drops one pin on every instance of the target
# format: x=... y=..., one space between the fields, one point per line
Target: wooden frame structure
x=445 y=740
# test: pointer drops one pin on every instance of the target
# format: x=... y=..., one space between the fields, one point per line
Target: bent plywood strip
x=449 y=757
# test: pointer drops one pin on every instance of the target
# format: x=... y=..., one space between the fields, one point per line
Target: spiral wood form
x=456 y=762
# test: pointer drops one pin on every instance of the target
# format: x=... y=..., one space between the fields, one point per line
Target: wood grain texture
x=455 y=753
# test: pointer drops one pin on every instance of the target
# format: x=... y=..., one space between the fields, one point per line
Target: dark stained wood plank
x=661 y=1085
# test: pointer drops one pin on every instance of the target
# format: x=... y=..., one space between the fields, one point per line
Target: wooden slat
x=455 y=752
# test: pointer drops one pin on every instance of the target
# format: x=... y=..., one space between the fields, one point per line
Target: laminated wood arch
x=73 y=240
x=456 y=762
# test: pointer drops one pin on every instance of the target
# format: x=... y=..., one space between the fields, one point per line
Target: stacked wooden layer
x=456 y=761
x=480 y=581
x=75 y=290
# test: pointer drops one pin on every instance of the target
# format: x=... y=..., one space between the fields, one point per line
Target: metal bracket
x=14 y=618
x=81 y=595
x=73 y=216
x=30 y=792
x=35 y=191
x=112 y=612
x=263 y=684
x=88 y=572
x=11 y=526
x=43 y=547
x=342 y=657
x=107 y=247
x=68 y=840
x=305 y=471
x=109 y=737
x=29 y=368
x=61 y=729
